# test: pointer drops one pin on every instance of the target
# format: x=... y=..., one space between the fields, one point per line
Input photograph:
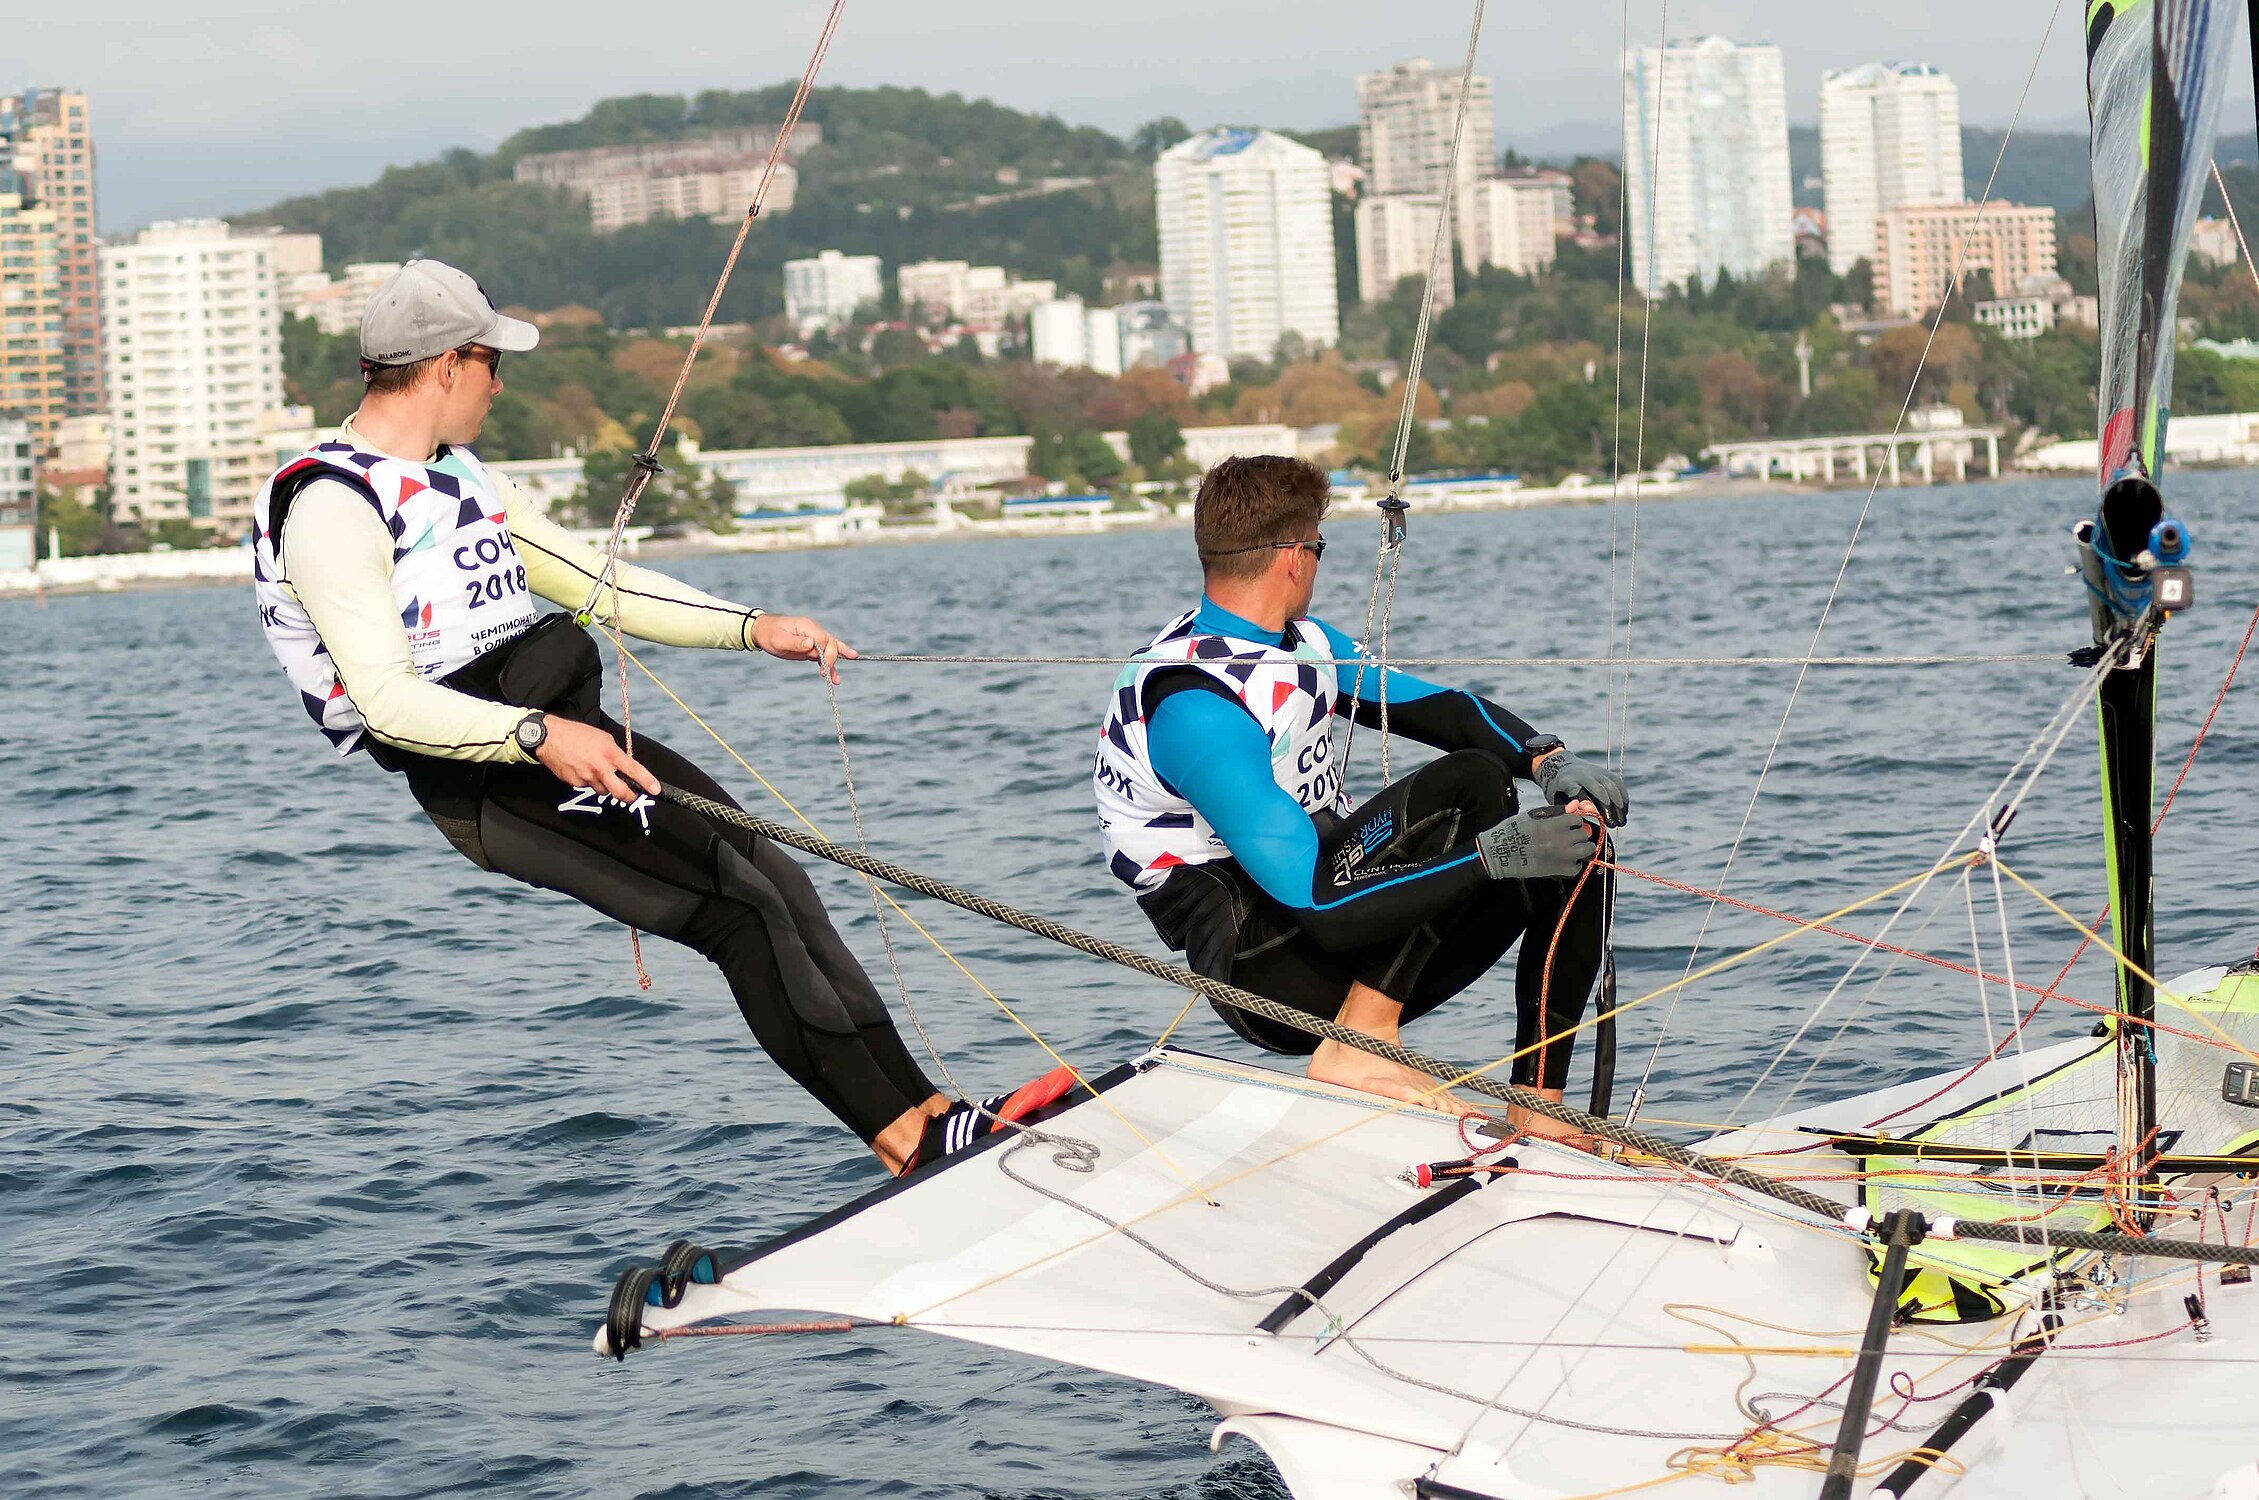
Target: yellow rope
x=2178 y=1002
x=1390 y=1108
x=938 y=946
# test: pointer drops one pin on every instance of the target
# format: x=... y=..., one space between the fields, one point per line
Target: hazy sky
x=227 y=104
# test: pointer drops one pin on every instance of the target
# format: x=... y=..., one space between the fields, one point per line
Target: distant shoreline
x=215 y=567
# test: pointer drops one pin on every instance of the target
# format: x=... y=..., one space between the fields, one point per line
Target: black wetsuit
x=1400 y=899
x=722 y=891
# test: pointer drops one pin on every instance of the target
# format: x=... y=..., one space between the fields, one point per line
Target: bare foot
x=1351 y=1069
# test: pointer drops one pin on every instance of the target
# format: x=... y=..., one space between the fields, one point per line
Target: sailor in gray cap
x=396 y=578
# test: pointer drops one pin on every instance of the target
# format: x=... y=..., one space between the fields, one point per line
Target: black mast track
x=2127 y=709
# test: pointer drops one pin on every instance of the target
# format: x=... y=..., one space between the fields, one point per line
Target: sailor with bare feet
x=1221 y=804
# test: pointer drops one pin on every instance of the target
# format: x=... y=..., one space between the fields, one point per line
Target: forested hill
x=900 y=175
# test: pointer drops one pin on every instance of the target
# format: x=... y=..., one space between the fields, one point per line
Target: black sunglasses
x=491 y=358
x=1315 y=546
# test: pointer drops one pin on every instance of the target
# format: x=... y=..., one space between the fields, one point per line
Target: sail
x=2157 y=72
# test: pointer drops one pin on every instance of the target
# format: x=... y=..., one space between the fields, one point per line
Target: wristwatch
x=532 y=732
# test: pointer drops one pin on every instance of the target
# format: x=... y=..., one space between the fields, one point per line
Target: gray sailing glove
x=1544 y=843
x=1564 y=779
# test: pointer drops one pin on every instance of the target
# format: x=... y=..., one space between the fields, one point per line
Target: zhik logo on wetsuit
x=594 y=802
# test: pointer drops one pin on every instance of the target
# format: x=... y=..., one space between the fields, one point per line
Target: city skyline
x=192 y=120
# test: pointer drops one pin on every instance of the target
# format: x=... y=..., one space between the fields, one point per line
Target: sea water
x=320 y=1149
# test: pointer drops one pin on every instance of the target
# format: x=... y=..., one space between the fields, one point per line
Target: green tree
x=678 y=495
x=81 y=530
x=1155 y=439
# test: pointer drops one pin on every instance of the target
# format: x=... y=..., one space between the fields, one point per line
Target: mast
x=2156 y=73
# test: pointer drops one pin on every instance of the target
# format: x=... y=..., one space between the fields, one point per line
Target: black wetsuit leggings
x=722 y=891
x=1252 y=941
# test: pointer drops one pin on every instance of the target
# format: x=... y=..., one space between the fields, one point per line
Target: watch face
x=531 y=732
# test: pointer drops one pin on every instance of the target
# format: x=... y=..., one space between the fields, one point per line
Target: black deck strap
x=623 y=1320
x=1304 y=1297
x=1901 y=1231
x=684 y=1265
x=1436 y=1489
x=2038 y=1237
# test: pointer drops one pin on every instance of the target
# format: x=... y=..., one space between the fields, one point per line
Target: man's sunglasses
x=1315 y=546
x=491 y=358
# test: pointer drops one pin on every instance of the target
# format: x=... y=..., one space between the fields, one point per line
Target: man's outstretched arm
x=1455 y=719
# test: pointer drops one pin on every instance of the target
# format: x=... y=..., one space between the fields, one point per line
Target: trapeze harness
x=459 y=585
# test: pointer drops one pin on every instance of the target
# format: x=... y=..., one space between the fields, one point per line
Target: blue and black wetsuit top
x=1204 y=746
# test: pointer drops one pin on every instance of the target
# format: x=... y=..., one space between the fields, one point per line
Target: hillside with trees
x=1522 y=373
x=901 y=175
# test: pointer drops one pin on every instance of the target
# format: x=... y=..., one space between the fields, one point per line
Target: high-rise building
x=1405 y=117
x=192 y=355
x=1065 y=333
x=46 y=137
x=1921 y=250
x=1396 y=239
x=1246 y=231
x=1706 y=134
x=824 y=290
x=32 y=365
x=1890 y=137
x=1517 y=216
x=19 y=496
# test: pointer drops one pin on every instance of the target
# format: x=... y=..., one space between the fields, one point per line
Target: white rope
x=1391 y=557
x=1967 y=659
x=1843 y=568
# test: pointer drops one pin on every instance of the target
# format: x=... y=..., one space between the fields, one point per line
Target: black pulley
x=683 y=1265
x=623 y=1320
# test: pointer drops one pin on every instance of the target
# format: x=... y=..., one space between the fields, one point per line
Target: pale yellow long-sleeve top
x=337 y=559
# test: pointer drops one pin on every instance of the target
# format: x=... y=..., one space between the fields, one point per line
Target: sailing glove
x=1544 y=843
x=1564 y=779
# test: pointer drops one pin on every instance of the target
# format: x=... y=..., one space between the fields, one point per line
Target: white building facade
x=1396 y=239
x=192 y=356
x=1890 y=137
x=824 y=290
x=1065 y=333
x=1405 y=118
x=19 y=496
x=720 y=191
x=1246 y=231
x=1517 y=218
x=1706 y=133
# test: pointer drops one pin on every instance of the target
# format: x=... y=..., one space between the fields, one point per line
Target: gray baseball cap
x=428 y=308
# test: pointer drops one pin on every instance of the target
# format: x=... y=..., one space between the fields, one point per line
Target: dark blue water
x=320 y=1148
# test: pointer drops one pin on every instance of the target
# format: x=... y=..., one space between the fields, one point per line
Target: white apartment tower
x=1246 y=229
x=1706 y=132
x=19 y=496
x=824 y=290
x=191 y=356
x=1405 y=116
x=1890 y=137
x=1517 y=216
x=1396 y=239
